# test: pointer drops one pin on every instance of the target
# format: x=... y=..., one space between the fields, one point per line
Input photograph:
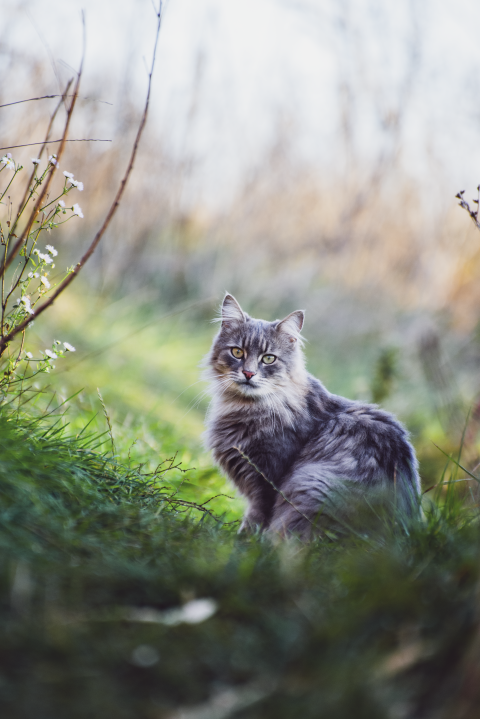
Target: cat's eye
x=268 y=359
x=237 y=352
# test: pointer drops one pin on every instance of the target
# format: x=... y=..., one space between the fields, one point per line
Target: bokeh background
x=297 y=154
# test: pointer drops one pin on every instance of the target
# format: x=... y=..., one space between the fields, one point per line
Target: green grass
x=145 y=361
x=383 y=623
x=380 y=625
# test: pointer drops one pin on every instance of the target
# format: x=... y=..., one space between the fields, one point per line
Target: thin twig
x=29 y=144
x=464 y=204
x=48 y=97
x=28 y=189
x=63 y=285
x=46 y=185
x=272 y=484
x=450 y=481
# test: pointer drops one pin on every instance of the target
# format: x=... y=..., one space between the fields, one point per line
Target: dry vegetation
x=97 y=557
x=288 y=232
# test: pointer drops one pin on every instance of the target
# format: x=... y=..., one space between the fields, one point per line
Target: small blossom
x=53 y=160
x=33 y=275
x=35 y=160
x=68 y=175
x=8 y=162
x=36 y=252
x=77 y=184
x=69 y=347
x=28 y=355
x=77 y=210
x=45 y=282
x=61 y=203
x=52 y=250
x=57 y=342
x=51 y=354
x=46 y=258
x=26 y=303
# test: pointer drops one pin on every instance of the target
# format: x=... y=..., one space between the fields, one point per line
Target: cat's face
x=253 y=358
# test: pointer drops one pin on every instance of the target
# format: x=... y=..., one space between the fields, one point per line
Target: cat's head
x=254 y=359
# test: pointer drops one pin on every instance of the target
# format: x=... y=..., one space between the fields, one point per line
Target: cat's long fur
x=308 y=442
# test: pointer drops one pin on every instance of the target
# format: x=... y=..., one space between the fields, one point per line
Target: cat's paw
x=252 y=524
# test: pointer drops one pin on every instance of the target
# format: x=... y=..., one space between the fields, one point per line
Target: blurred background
x=299 y=154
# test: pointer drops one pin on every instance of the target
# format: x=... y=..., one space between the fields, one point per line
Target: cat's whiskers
x=201 y=395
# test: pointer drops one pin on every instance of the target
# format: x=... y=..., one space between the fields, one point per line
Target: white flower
x=33 y=275
x=35 y=161
x=51 y=354
x=53 y=160
x=26 y=302
x=8 y=162
x=69 y=347
x=77 y=184
x=61 y=203
x=28 y=355
x=45 y=282
x=52 y=250
x=68 y=175
x=45 y=258
x=77 y=210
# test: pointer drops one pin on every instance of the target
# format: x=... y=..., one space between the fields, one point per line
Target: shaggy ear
x=231 y=310
x=292 y=324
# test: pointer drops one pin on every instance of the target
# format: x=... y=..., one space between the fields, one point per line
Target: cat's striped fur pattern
x=306 y=441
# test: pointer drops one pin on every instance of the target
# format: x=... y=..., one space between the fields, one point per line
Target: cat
x=288 y=444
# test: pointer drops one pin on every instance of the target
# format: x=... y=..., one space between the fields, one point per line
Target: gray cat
x=299 y=454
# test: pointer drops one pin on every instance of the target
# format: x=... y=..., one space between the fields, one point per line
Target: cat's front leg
x=254 y=520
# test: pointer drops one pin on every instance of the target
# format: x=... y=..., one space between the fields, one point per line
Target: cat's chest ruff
x=233 y=428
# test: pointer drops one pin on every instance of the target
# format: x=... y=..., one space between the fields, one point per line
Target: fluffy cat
x=291 y=447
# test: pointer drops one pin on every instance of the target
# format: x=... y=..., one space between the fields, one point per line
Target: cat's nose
x=248 y=375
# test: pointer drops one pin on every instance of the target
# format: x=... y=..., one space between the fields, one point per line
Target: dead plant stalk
x=7 y=338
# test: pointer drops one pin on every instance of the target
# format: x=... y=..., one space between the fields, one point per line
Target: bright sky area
x=232 y=75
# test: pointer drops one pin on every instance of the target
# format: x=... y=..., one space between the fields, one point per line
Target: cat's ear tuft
x=292 y=324
x=231 y=311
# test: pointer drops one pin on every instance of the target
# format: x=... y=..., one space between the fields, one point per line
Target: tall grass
x=124 y=588
x=100 y=588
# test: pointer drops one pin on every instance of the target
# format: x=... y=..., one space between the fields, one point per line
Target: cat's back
x=356 y=435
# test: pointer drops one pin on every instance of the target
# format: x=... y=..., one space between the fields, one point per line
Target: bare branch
x=46 y=185
x=474 y=214
x=63 y=285
x=29 y=144
x=46 y=140
x=48 y=97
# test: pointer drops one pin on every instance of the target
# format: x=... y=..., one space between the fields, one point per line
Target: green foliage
x=385 y=374
x=27 y=284
x=96 y=555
